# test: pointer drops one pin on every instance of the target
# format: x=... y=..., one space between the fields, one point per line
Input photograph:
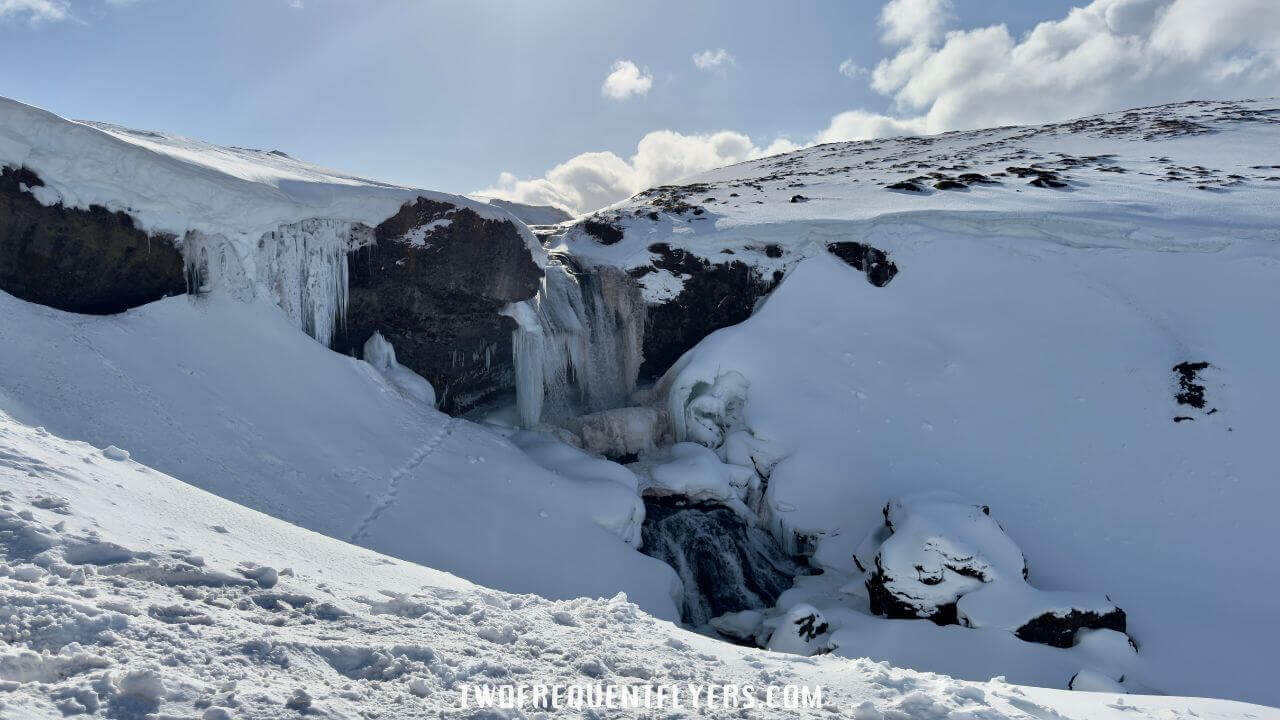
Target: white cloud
x=1103 y=56
x=1106 y=55
x=860 y=125
x=35 y=11
x=851 y=69
x=626 y=80
x=713 y=60
x=595 y=179
x=914 y=21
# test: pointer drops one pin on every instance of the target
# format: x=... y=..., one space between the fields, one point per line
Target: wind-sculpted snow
x=180 y=623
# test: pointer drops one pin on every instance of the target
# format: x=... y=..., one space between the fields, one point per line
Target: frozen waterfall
x=578 y=344
x=301 y=267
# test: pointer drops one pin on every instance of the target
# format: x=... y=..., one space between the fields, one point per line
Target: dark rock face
x=1190 y=391
x=872 y=261
x=434 y=291
x=886 y=603
x=1060 y=630
x=86 y=261
x=725 y=564
x=714 y=296
x=605 y=233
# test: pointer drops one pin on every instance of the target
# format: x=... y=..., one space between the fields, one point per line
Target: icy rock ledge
x=947 y=560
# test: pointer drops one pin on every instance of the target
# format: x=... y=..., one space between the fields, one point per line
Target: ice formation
x=301 y=267
x=578 y=342
x=379 y=353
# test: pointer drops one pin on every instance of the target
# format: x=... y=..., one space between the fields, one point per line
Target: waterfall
x=725 y=563
x=578 y=342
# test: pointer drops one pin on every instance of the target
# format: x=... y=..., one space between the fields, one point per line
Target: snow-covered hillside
x=127 y=593
x=230 y=398
x=1065 y=329
x=1054 y=290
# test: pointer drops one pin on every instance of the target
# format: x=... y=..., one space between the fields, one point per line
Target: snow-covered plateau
x=944 y=426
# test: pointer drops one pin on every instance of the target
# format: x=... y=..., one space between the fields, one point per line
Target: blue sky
x=447 y=95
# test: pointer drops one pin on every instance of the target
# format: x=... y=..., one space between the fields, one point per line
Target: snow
x=251 y=224
x=1023 y=358
x=1149 y=187
x=348 y=632
x=235 y=400
x=694 y=472
x=1030 y=370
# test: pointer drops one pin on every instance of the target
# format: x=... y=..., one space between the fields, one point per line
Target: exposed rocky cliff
x=86 y=261
x=432 y=283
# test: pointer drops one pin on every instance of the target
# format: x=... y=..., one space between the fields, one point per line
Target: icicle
x=577 y=346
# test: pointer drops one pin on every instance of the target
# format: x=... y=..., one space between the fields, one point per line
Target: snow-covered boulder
x=949 y=561
x=696 y=473
x=801 y=630
x=939 y=549
x=1094 y=681
x=743 y=625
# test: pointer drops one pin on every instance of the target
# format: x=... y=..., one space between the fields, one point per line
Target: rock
x=940 y=548
x=713 y=296
x=872 y=261
x=802 y=630
x=300 y=700
x=950 y=185
x=948 y=561
x=606 y=233
x=87 y=261
x=1094 y=681
x=1190 y=390
x=623 y=432
x=1046 y=181
x=1059 y=628
x=432 y=283
x=799 y=199
x=740 y=626
x=906 y=186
